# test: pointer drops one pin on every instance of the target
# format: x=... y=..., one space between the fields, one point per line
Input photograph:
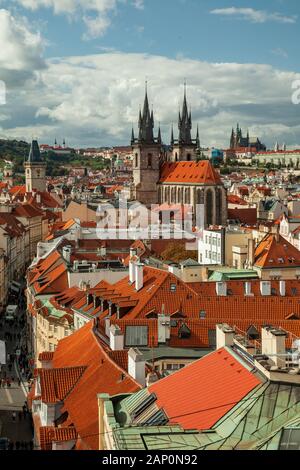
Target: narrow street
x=15 y=421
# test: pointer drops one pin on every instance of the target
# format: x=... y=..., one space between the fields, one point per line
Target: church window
x=136 y=160
x=176 y=157
x=149 y=160
x=188 y=157
x=28 y=172
x=209 y=207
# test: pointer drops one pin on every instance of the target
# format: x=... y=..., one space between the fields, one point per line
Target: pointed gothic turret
x=198 y=139
x=132 y=136
x=159 y=136
x=172 y=135
x=146 y=123
x=185 y=123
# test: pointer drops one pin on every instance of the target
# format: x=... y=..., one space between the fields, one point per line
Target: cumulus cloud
x=96 y=14
x=94 y=100
x=255 y=16
x=21 y=51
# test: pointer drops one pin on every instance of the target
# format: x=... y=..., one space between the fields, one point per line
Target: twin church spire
x=146 y=126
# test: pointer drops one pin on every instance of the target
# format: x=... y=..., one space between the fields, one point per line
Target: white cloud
x=94 y=100
x=255 y=16
x=139 y=4
x=96 y=14
x=21 y=51
x=280 y=52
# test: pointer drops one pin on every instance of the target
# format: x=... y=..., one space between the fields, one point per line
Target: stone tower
x=148 y=154
x=35 y=170
x=185 y=148
x=8 y=175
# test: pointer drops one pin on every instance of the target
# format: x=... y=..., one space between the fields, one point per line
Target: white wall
x=95 y=277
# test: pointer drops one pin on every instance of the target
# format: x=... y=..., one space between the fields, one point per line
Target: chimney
x=224 y=335
x=164 y=328
x=107 y=326
x=265 y=288
x=131 y=271
x=136 y=366
x=282 y=288
x=251 y=251
x=116 y=338
x=273 y=343
x=139 y=276
x=66 y=251
x=221 y=289
x=248 y=288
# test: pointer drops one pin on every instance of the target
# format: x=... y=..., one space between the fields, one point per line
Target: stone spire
x=146 y=123
x=185 y=123
x=132 y=136
x=159 y=135
x=172 y=135
x=198 y=138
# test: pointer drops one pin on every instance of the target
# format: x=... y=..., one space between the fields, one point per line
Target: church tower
x=148 y=154
x=8 y=175
x=35 y=170
x=185 y=148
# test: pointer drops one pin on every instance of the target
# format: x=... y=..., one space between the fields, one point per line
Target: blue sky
x=215 y=44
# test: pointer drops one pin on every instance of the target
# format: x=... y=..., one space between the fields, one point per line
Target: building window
x=173 y=287
x=136 y=160
x=202 y=314
x=149 y=160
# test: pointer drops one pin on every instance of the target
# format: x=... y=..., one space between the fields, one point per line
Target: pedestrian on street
x=19 y=382
x=31 y=445
x=24 y=411
x=13 y=416
x=17 y=445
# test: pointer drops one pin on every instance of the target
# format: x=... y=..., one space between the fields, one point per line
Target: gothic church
x=175 y=177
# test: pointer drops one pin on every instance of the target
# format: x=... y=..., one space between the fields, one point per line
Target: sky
x=76 y=69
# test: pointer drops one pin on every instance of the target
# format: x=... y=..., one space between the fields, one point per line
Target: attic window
x=229 y=292
x=294 y=291
x=173 y=287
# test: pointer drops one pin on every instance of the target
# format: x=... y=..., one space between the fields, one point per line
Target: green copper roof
x=256 y=422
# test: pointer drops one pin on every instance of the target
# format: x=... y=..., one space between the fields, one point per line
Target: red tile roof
x=50 y=434
x=57 y=383
x=101 y=375
x=190 y=173
x=276 y=252
x=46 y=356
x=200 y=394
x=245 y=216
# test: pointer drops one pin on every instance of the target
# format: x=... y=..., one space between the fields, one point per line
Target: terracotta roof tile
x=198 y=395
x=190 y=172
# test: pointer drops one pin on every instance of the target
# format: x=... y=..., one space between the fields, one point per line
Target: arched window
x=136 y=160
x=188 y=157
x=176 y=157
x=209 y=207
x=187 y=199
x=149 y=160
x=219 y=206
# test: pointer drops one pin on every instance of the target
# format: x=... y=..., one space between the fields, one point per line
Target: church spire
x=159 y=135
x=132 y=136
x=172 y=135
x=185 y=122
x=146 y=122
x=198 y=138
